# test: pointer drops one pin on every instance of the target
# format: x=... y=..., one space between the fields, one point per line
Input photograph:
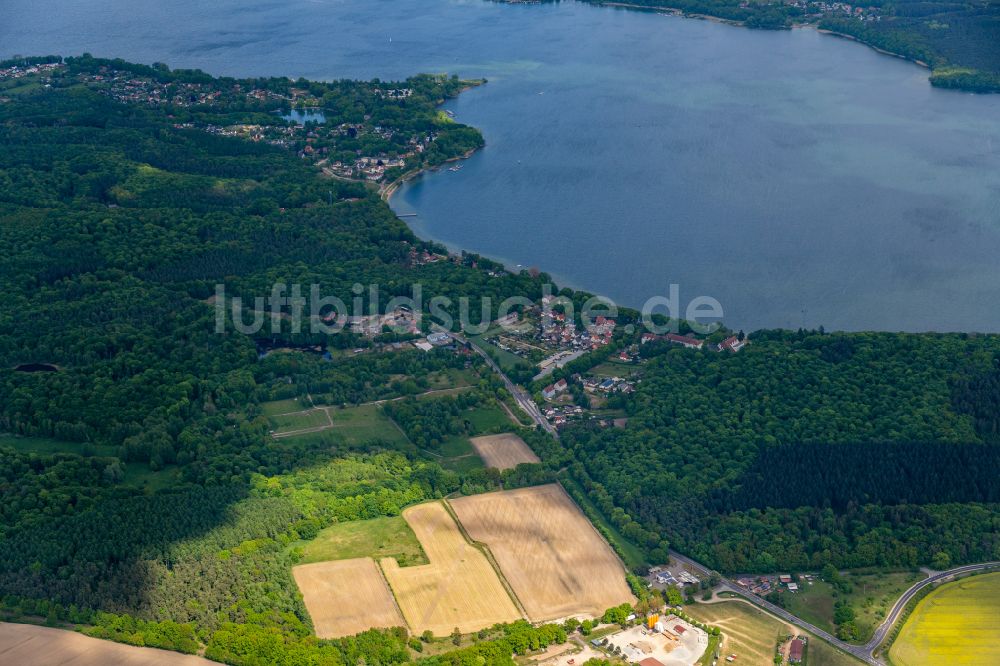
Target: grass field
x=872 y=596
x=753 y=635
x=459 y=588
x=505 y=359
x=958 y=623
x=613 y=369
x=311 y=418
x=458 y=455
x=555 y=561
x=505 y=451
x=819 y=653
x=354 y=426
x=346 y=597
x=488 y=419
x=748 y=632
x=450 y=378
x=376 y=538
x=288 y=406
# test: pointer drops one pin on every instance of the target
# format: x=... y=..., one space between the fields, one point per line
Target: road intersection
x=866 y=652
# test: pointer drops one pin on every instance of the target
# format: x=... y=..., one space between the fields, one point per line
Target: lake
x=797 y=178
x=303 y=116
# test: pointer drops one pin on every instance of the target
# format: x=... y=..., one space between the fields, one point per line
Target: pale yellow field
x=459 y=588
x=553 y=558
x=345 y=597
x=28 y=645
x=958 y=623
x=505 y=451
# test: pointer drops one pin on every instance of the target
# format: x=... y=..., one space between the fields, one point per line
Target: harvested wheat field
x=547 y=550
x=345 y=597
x=459 y=588
x=28 y=645
x=505 y=451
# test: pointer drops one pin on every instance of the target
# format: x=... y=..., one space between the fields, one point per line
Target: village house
x=795 y=651
x=733 y=344
x=552 y=390
x=685 y=341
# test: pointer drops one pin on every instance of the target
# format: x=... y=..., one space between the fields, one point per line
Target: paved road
x=884 y=628
x=863 y=652
x=522 y=398
x=858 y=651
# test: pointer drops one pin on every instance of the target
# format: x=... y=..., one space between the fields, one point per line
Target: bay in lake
x=797 y=178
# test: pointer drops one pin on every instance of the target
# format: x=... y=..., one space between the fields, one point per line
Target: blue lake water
x=303 y=116
x=797 y=178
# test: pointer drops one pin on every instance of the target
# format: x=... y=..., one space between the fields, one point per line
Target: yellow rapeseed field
x=957 y=624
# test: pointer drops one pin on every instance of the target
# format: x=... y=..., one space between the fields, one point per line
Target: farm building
x=795 y=651
x=665 y=578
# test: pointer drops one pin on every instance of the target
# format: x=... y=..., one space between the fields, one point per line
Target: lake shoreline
x=673 y=11
x=386 y=190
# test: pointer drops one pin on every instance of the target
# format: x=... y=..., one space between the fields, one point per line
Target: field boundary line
x=583 y=513
x=485 y=550
x=388 y=585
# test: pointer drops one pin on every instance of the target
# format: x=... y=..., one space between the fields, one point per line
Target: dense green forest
x=959 y=41
x=116 y=222
x=808 y=448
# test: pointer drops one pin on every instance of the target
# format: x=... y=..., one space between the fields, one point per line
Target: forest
x=116 y=223
x=808 y=448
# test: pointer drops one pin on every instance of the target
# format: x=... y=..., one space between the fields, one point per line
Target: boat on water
x=455 y=168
